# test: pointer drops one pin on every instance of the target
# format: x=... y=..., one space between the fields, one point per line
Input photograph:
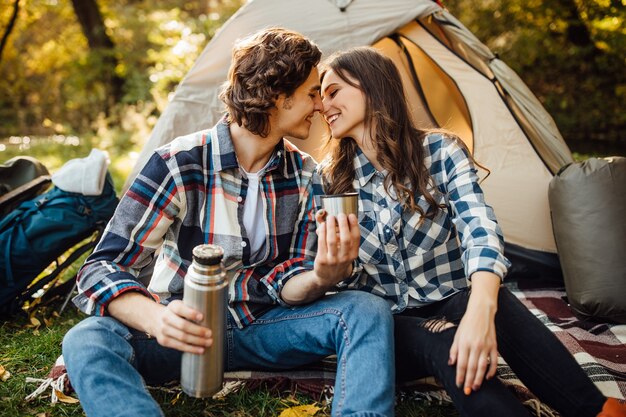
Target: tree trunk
x=577 y=31
x=93 y=28
x=9 y=29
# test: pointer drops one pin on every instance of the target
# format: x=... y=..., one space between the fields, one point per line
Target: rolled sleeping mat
x=21 y=178
x=588 y=207
x=19 y=171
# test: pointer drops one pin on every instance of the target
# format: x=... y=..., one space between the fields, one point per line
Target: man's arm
x=333 y=261
x=135 y=232
x=314 y=268
x=108 y=282
x=172 y=325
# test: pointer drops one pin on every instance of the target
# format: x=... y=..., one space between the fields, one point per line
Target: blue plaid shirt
x=412 y=261
x=191 y=192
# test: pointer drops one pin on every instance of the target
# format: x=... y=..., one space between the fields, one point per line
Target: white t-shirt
x=253 y=219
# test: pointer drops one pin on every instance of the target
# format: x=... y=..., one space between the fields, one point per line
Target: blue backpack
x=39 y=231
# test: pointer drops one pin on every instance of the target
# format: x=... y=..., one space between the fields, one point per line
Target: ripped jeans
x=536 y=356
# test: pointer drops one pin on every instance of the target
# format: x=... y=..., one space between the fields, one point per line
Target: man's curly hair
x=265 y=65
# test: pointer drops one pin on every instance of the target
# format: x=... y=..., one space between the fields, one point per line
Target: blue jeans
x=109 y=364
x=536 y=356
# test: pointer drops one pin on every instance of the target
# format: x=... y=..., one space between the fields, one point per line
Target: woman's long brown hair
x=398 y=143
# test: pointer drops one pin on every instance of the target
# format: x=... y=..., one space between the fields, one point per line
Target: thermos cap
x=208 y=254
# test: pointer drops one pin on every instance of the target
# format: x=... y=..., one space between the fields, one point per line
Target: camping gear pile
x=42 y=228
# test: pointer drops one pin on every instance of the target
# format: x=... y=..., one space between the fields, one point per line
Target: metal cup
x=335 y=204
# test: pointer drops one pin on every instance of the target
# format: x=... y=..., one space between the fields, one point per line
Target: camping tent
x=453 y=81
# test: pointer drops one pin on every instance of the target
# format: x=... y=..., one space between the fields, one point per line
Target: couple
x=242 y=186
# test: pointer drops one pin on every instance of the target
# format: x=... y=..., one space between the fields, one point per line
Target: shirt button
x=279 y=153
x=243 y=244
x=240 y=199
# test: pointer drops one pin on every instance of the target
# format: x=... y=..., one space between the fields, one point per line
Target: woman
x=426 y=233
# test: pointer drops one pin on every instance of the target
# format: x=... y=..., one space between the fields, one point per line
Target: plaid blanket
x=599 y=348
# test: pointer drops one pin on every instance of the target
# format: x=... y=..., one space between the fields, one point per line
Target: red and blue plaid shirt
x=191 y=192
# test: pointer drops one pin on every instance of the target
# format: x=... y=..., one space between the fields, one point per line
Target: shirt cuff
x=95 y=302
x=486 y=259
x=357 y=268
x=275 y=294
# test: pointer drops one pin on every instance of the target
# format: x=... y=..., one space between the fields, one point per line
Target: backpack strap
x=77 y=253
x=7 y=252
x=14 y=222
x=7 y=261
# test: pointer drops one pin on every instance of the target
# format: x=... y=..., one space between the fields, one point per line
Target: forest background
x=81 y=73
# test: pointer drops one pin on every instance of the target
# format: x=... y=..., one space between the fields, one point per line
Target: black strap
x=77 y=253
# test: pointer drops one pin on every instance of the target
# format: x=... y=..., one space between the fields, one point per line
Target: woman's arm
x=475 y=349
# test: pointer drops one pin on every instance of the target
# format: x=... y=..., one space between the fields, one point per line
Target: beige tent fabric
x=518 y=182
x=520 y=169
x=537 y=123
x=446 y=102
x=421 y=116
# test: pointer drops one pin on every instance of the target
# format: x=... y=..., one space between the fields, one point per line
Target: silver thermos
x=205 y=287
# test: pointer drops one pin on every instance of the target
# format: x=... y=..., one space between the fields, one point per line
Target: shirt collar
x=363 y=167
x=224 y=156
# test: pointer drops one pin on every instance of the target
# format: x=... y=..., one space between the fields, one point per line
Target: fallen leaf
x=65 y=398
x=290 y=399
x=36 y=332
x=35 y=321
x=4 y=374
x=227 y=388
x=300 y=411
x=43 y=415
x=175 y=400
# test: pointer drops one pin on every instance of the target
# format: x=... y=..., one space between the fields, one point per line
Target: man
x=242 y=186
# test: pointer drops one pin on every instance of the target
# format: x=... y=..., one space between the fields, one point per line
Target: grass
x=30 y=344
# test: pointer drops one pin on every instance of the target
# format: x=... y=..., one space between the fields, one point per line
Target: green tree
x=10 y=26
x=76 y=67
x=101 y=45
x=571 y=53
